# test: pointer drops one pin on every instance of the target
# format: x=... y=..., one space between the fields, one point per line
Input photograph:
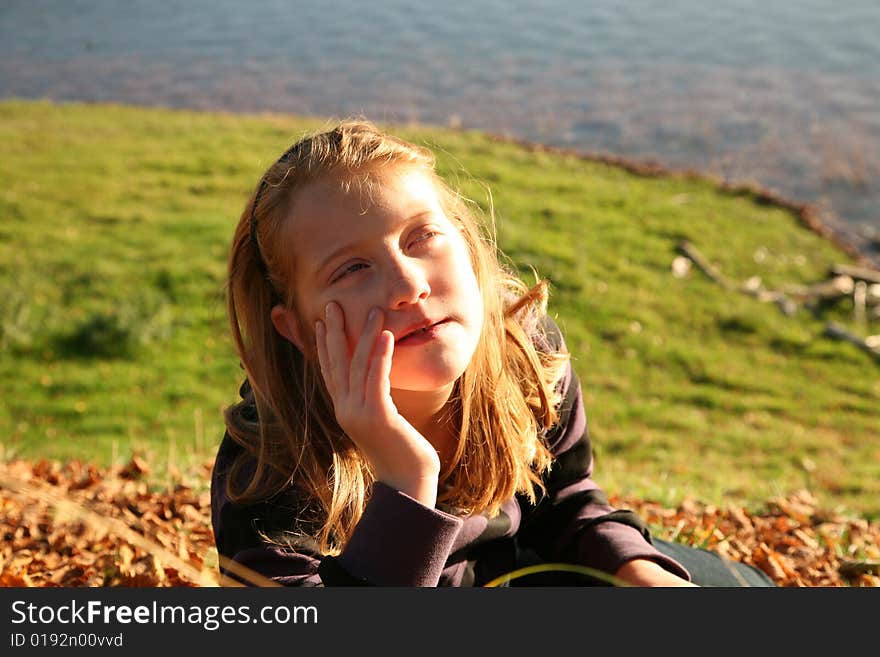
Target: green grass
x=114 y=227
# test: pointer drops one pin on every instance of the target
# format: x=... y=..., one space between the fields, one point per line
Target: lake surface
x=785 y=93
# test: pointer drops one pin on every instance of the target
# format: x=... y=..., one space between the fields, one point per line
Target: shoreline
x=821 y=222
x=810 y=215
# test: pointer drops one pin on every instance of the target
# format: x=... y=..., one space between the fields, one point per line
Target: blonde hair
x=505 y=400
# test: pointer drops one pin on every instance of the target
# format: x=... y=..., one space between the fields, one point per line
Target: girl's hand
x=361 y=391
x=643 y=572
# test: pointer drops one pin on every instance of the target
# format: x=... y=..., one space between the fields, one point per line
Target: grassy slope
x=114 y=225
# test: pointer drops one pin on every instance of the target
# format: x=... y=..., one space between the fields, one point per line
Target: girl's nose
x=409 y=284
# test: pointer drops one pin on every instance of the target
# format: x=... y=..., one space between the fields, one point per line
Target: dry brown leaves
x=792 y=540
x=73 y=524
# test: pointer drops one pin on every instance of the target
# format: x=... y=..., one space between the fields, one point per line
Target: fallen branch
x=689 y=250
x=870 y=345
x=751 y=287
x=831 y=290
x=856 y=273
x=848 y=281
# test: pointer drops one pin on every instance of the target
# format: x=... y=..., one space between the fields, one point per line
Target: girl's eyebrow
x=353 y=246
x=334 y=254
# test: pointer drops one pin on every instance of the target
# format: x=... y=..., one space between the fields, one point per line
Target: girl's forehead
x=343 y=198
x=331 y=212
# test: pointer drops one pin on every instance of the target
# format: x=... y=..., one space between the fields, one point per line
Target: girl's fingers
x=323 y=356
x=378 y=382
x=337 y=347
x=363 y=379
x=361 y=361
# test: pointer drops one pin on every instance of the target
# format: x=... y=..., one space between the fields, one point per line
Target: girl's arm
x=574 y=522
x=398 y=541
x=360 y=387
x=239 y=528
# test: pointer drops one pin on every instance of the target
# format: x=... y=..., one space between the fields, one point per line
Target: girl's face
x=394 y=249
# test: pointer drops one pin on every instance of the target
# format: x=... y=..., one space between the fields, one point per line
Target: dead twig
x=751 y=287
x=836 y=288
x=870 y=345
x=856 y=273
x=689 y=250
x=848 y=281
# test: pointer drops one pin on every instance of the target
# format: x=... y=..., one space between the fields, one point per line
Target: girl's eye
x=421 y=239
x=425 y=236
x=348 y=270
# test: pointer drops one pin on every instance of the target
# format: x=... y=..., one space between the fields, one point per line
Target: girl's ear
x=286 y=324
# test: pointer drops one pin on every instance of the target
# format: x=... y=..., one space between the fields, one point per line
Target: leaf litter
x=74 y=524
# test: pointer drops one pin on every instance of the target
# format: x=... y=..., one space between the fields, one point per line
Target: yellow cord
x=556 y=567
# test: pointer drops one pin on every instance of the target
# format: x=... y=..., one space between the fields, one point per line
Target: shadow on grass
x=99 y=335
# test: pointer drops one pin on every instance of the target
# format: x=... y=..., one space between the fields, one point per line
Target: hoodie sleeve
x=397 y=542
x=574 y=522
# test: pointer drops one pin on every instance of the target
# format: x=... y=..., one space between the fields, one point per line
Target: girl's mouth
x=422 y=336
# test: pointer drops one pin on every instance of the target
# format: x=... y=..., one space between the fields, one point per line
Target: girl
x=410 y=416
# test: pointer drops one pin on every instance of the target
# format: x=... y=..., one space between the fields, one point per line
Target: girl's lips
x=423 y=336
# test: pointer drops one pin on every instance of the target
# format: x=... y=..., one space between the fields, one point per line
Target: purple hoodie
x=400 y=542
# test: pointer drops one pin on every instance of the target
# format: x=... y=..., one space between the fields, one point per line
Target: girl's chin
x=422 y=386
x=425 y=381
x=429 y=370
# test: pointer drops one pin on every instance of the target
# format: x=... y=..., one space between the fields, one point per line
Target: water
x=781 y=93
